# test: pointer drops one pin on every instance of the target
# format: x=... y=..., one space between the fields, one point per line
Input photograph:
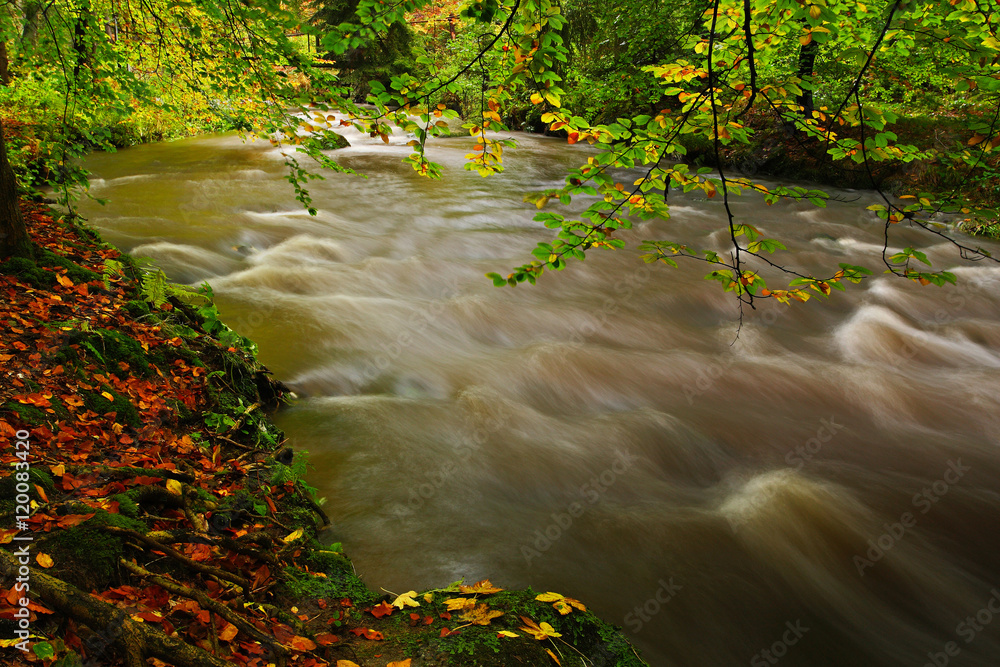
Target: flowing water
x=824 y=489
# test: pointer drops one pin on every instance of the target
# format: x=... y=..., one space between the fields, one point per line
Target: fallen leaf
x=539 y=632
x=481 y=615
x=406 y=600
x=459 y=604
x=227 y=633
x=174 y=487
x=326 y=639
x=302 y=643
x=64 y=281
x=562 y=604
x=507 y=633
x=293 y=536
x=384 y=609
x=44 y=560
x=553 y=656
x=481 y=587
x=401 y=663
x=347 y=663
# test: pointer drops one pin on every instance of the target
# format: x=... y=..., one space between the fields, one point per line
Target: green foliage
x=836 y=77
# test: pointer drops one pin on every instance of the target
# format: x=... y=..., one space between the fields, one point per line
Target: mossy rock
x=34 y=273
x=28 y=415
x=340 y=580
x=28 y=271
x=110 y=348
x=85 y=555
x=100 y=404
x=328 y=141
x=137 y=309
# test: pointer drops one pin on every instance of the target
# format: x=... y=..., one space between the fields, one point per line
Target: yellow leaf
x=536 y=98
x=539 y=632
x=481 y=614
x=406 y=600
x=291 y=537
x=815 y=11
x=484 y=586
x=58 y=470
x=64 y=281
x=805 y=39
x=347 y=663
x=108 y=396
x=428 y=597
x=401 y=663
x=553 y=656
x=562 y=604
x=459 y=604
x=507 y=633
x=44 y=560
x=174 y=487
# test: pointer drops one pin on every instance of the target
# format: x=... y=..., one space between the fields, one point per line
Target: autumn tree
x=96 y=62
x=814 y=67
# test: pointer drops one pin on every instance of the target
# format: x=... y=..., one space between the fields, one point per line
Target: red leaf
x=384 y=609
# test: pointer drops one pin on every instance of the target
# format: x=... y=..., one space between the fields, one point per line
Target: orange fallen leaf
x=384 y=609
x=483 y=587
x=227 y=633
x=44 y=560
x=302 y=643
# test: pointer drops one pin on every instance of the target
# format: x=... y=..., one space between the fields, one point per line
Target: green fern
x=155 y=287
x=112 y=269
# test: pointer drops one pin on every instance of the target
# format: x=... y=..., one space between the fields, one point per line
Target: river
x=821 y=490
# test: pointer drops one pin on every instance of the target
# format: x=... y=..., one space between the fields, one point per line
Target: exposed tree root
x=135 y=642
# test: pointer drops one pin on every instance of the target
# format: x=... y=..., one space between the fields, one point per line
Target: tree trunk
x=807 y=63
x=29 y=34
x=4 y=63
x=14 y=239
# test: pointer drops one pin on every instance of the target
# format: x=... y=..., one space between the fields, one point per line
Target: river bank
x=157 y=483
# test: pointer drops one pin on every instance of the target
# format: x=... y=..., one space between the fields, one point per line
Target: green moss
x=74 y=271
x=340 y=580
x=26 y=414
x=137 y=309
x=28 y=271
x=86 y=555
x=126 y=506
x=35 y=476
x=121 y=405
